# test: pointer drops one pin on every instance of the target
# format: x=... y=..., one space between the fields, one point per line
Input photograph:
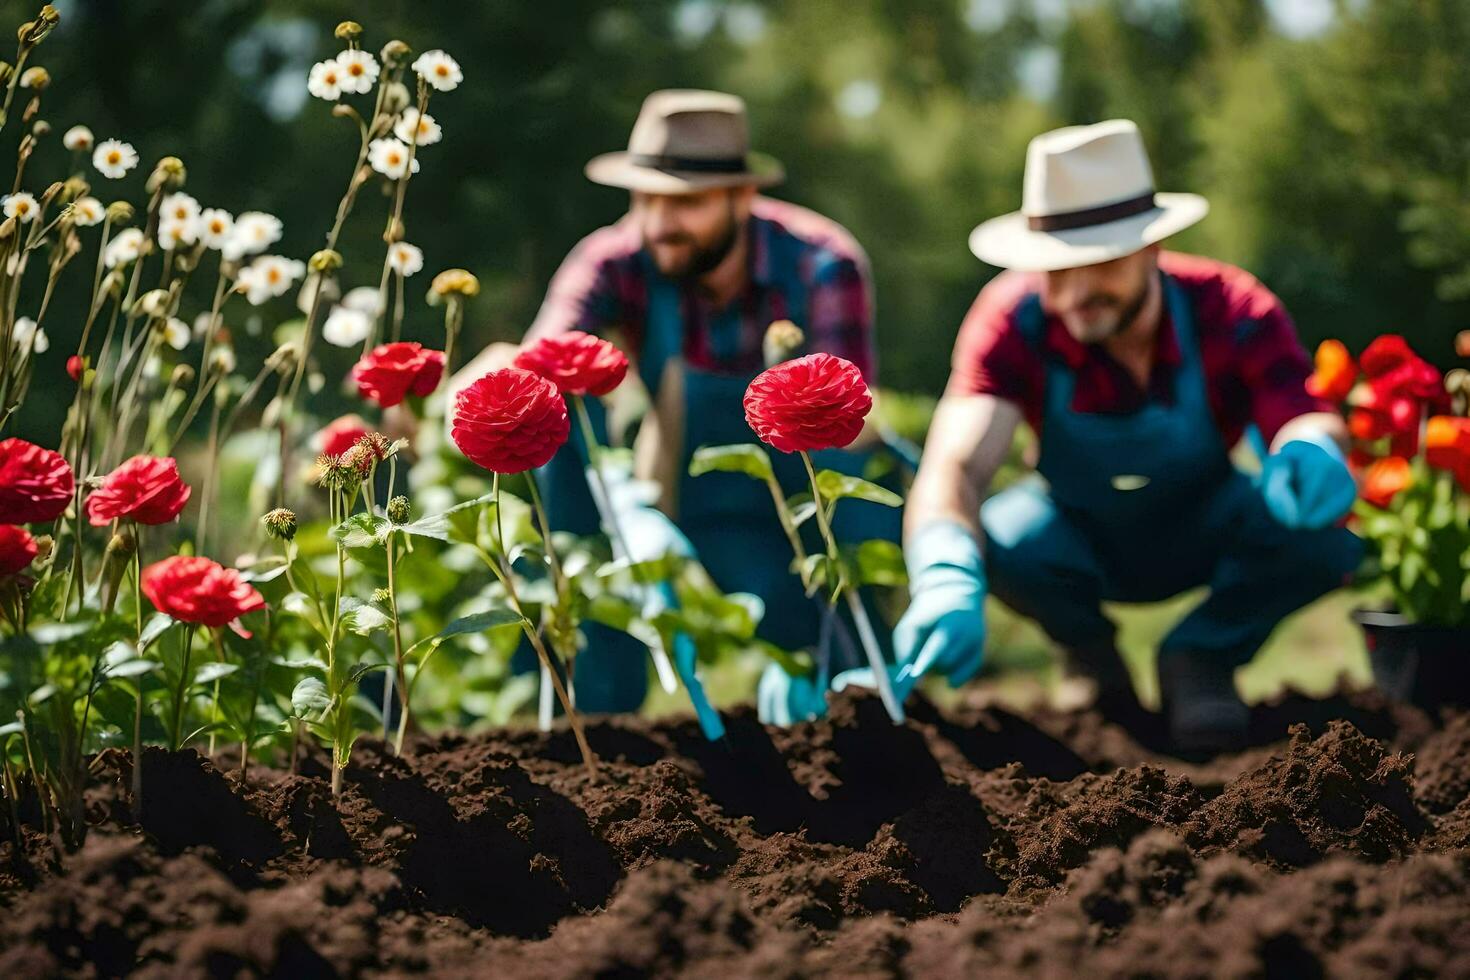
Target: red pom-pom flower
x=391 y=372
x=510 y=421
x=577 y=363
x=146 y=489
x=35 y=484
x=810 y=403
x=199 y=590
x=341 y=435
x=17 y=549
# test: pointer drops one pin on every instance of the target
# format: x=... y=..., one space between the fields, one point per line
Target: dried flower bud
x=344 y=111
x=182 y=377
x=349 y=31
x=112 y=284
x=168 y=174
x=782 y=341
x=51 y=193
x=396 y=98
x=119 y=212
x=455 y=282
x=222 y=360
x=398 y=510
x=40 y=129
x=1457 y=381
x=153 y=303
x=45 y=545
x=6 y=70
x=283 y=358
x=396 y=53
x=7 y=229
x=280 y=524
x=382 y=597
x=121 y=547
x=326 y=260
x=49 y=15
x=36 y=78
x=23 y=32
x=74 y=188
x=394 y=232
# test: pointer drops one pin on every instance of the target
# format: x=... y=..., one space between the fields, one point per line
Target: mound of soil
x=959 y=843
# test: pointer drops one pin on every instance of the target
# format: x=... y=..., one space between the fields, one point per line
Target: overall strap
x=1059 y=381
x=663 y=330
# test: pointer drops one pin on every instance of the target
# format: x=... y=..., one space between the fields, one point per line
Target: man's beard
x=1127 y=315
x=703 y=259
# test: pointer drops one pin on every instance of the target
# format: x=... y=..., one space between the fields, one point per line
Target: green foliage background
x=1336 y=162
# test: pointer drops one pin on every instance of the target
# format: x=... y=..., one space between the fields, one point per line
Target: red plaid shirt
x=794 y=253
x=1254 y=365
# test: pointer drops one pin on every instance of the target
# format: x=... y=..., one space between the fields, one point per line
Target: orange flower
x=1335 y=373
x=1386 y=479
x=1462 y=343
x=1447 y=446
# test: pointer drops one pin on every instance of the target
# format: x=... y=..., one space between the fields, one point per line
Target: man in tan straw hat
x=1138 y=369
x=687 y=282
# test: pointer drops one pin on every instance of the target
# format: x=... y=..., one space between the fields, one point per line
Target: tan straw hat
x=1088 y=197
x=687 y=140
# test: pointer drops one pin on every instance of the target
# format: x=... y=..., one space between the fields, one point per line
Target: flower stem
x=855 y=603
x=178 y=719
x=138 y=709
x=401 y=677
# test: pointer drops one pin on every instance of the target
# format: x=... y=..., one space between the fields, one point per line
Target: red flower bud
x=199 y=590
x=576 y=362
x=35 y=484
x=510 y=421
x=1386 y=479
x=391 y=372
x=76 y=367
x=814 y=402
x=17 y=549
x=146 y=489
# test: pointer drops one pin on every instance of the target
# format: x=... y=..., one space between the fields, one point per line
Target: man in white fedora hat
x=1138 y=369
x=687 y=282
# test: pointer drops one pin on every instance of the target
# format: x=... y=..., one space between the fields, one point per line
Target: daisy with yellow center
x=114 y=158
x=389 y=157
x=22 y=207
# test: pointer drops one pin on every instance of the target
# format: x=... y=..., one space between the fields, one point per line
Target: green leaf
x=155 y=628
x=876 y=562
x=434 y=526
x=476 y=623
x=309 y=697
x=803 y=508
x=362 y=670
x=364 y=618
x=462 y=521
x=742 y=457
x=212 y=672
x=361 y=531
x=834 y=485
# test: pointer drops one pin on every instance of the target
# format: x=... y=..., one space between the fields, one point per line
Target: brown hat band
x=717 y=165
x=1087 y=217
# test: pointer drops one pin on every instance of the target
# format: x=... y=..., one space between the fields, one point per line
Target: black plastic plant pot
x=1425 y=665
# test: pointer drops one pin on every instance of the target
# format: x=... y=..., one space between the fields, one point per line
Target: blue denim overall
x=1142 y=506
x=729 y=518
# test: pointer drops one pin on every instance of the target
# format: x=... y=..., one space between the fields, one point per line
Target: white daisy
x=325 y=80
x=359 y=71
x=178 y=207
x=123 y=249
x=254 y=232
x=176 y=333
x=405 y=259
x=428 y=129
x=364 y=299
x=175 y=233
x=77 y=138
x=22 y=207
x=439 y=70
x=113 y=158
x=222 y=359
x=268 y=276
x=346 y=328
x=389 y=157
x=27 y=338
x=215 y=227
x=87 y=211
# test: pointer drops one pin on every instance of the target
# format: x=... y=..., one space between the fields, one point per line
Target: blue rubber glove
x=1306 y=483
x=783 y=700
x=943 y=630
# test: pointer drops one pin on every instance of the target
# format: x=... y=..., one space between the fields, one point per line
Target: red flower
x=393 y=371
x=1447 y=446
x=341 y=435
x=199 y=590
x=1385 y=353
x=813 y=402
x=576 y=362
x=146 y=489
x=75 y=367
x=510 y=421
x=17 y=549
x=1401 y=389
x=1386 y=479
x=35 y=484
x=1335 y=372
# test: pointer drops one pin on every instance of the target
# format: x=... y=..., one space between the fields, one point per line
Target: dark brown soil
x=967 y=843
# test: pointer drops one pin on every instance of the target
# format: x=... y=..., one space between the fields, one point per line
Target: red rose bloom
x=393 y=371
x=576 y=362
x=199 y=590
x=813 y=402
x=17 y=549
x=341 y=435
x=1385 y=353
x=146 y=489
x=510 y=421
x=35 y=484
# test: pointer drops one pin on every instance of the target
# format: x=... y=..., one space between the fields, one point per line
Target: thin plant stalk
x=137 y=783
x=865 y=628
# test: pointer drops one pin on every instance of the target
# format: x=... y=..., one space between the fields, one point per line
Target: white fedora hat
x=687 y=140
x=1088 y=197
